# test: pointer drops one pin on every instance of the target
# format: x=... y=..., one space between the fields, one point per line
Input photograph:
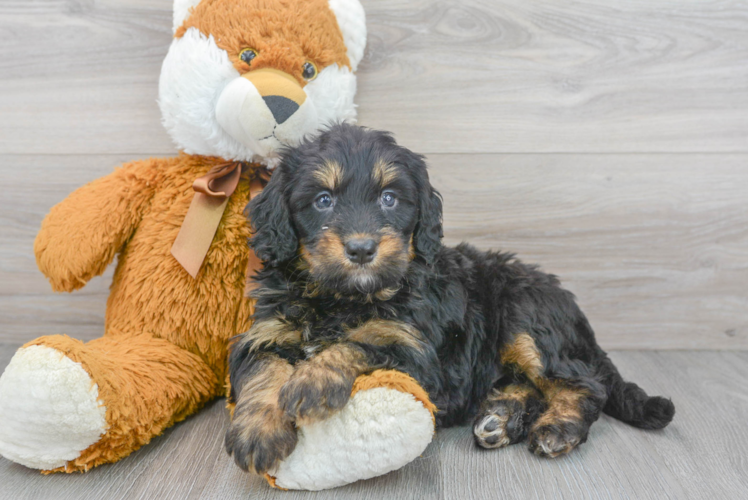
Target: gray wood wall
x=606 y=140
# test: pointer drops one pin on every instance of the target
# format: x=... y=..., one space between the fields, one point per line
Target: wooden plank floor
x=448 y=76
x=701 y=455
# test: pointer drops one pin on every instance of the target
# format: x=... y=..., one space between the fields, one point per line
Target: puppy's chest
x=321 y=321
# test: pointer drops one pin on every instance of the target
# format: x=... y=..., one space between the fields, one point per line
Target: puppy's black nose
x=281 y=107
x=361 y=250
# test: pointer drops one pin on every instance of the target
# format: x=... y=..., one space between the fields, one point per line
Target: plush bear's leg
x=69 y=406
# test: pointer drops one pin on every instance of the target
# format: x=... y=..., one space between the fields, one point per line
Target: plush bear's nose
x=281 y=107
x=361 y=251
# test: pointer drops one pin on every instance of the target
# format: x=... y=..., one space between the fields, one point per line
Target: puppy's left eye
x=323 y=201
x=389 y=199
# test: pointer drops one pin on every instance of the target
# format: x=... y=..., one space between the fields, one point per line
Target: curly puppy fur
x=356 y=278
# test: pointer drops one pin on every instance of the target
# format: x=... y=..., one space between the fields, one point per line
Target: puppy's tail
x=629 y=403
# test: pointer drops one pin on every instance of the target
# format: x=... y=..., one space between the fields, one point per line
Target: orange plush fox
x=241 y=79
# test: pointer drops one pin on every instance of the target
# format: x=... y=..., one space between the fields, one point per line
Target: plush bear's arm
x=81 y=235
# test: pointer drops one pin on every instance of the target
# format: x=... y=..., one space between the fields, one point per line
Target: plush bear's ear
x=352 y=23
x=182 y=11
x=273 y=237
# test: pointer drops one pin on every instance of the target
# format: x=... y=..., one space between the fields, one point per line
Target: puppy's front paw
x=260 y=438
x=314 y=393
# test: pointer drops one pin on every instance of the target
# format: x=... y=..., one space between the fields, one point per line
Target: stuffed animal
x=241 y=79
x=388 y=422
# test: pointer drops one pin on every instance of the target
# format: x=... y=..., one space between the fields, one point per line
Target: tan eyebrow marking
x=330 y=174
x=384 y=172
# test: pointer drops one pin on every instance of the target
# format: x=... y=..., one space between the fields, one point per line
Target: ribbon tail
x=198 y=230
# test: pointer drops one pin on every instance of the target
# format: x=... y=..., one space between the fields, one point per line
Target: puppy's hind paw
x=554 y=440
x=499 y=426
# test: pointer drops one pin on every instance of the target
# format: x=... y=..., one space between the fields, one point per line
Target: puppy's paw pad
x=554 y=440
x=500 y=425
x=490 y=431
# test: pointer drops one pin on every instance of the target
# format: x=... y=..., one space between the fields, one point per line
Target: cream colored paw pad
x=49 y=409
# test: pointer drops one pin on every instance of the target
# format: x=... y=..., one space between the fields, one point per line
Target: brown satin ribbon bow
x=212 y=193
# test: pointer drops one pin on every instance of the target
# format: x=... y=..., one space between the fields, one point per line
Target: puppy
x=356 y=278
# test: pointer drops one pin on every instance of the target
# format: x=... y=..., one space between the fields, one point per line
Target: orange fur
x=166 y=335
x=393 y=379
x=147 y=384
x=284 y=33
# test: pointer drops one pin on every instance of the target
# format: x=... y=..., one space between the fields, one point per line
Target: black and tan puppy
x=356 y=279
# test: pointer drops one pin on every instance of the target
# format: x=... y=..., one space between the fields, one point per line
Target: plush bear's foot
x=98 y=402
x=49 y=409
x=387 y=422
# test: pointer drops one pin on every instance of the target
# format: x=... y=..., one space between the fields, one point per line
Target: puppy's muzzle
x=361 y=250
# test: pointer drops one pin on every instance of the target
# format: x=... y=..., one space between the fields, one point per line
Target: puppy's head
x=353 y=206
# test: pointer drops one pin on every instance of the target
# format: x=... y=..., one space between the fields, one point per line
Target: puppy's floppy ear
x=273 y=239
x=428 y=233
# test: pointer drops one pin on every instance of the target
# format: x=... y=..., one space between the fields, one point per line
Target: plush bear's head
x=245 y=77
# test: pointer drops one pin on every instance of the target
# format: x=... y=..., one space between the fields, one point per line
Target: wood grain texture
x=447 y=76
x=699 y=456
x=558 y=76
x=654 y=246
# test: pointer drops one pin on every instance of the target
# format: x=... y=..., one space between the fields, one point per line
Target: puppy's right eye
x=323 y=201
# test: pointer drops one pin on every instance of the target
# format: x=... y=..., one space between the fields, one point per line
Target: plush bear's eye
x=247 y=55
x=309 y=71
